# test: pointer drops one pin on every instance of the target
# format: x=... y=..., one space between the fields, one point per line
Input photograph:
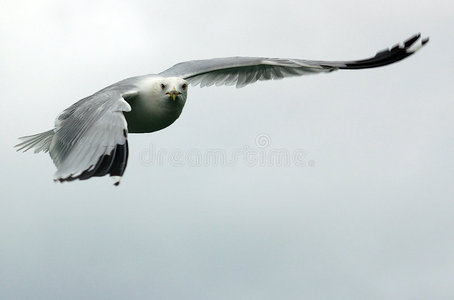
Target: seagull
x=90 y=138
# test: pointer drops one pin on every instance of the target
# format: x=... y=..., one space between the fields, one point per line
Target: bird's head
x=172 y=89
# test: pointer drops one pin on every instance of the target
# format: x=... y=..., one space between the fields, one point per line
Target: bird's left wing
x=91 y=136
x=241 y=71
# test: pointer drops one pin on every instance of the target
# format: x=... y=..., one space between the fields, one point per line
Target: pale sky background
x=369 y=215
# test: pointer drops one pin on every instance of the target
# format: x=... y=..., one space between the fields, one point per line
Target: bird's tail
x=40 y=142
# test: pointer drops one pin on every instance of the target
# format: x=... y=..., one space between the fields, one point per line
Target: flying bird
x=90 y=138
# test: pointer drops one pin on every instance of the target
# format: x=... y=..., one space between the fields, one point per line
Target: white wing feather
x=241 y=71
x=91 y=137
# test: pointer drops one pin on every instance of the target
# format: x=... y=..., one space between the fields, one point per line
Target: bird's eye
x=184 y=87
x=163 y=86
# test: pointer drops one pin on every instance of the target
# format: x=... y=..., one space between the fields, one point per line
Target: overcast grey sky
x=366 y=212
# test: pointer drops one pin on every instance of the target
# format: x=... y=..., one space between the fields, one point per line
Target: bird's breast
x=148 y=116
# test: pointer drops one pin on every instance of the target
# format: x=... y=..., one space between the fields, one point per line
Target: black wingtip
x=389 y=56
x=113 y=163
x=412 y=40
x=425 y=41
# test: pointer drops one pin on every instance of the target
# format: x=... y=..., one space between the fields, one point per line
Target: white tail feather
x=40 y=142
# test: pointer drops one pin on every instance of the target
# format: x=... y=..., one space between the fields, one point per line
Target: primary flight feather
x=90 y=138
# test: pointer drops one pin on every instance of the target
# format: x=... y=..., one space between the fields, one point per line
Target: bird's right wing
x=91 y=136
x=241 y=71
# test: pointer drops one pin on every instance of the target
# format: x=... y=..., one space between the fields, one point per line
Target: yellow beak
x=173 y=93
